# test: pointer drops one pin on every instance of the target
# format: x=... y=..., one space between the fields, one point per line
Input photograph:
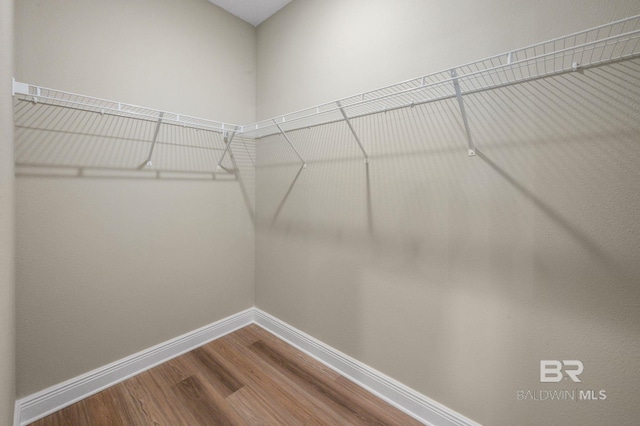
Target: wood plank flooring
x=248 y=377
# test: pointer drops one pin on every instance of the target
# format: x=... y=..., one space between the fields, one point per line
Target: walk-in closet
x=319 y=212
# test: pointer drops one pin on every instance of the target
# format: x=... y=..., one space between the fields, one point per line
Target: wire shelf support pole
x=355 y=135
x=456 y=86
x=304 y=163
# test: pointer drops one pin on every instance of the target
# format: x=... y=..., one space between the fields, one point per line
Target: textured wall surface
x=112 y=260
x=7 y=311
x=457 y=275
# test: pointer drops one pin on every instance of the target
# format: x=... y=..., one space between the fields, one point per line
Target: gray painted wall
x=111 y=262
x=7 y=252
x=456 y=275
x=452 y=275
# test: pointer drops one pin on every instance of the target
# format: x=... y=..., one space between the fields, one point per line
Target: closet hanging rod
x=604 y=44
x=58 y=98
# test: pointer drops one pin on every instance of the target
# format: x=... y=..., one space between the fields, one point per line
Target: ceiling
x=252 y=11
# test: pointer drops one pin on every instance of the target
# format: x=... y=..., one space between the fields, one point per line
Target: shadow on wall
x=62 y=142
x=574 y=132
x=535 y=237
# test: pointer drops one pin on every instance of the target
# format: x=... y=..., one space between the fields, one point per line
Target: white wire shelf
x=59 y=98
x=613 y=42
x=605 y=44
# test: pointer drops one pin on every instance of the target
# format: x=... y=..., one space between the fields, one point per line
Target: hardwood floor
x=249 y=377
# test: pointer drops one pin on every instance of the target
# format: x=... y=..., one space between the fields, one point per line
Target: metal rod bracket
x=304 y=163
x=148 y=162
x=465 y=121
x=227 y=140
x=355 y=135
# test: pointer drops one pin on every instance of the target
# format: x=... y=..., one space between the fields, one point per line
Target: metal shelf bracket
x=456 y=86
x=304 y=163
x=148 y=162
x=227 y=140
x=355 y=135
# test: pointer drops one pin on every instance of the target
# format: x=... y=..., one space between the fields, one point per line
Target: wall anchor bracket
x=575 y=67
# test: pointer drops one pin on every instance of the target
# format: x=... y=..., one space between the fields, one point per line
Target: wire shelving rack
x=577 y=52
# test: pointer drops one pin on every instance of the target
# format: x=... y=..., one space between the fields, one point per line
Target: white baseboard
x=402 y=397
x=16 y=413
x=50 y=400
